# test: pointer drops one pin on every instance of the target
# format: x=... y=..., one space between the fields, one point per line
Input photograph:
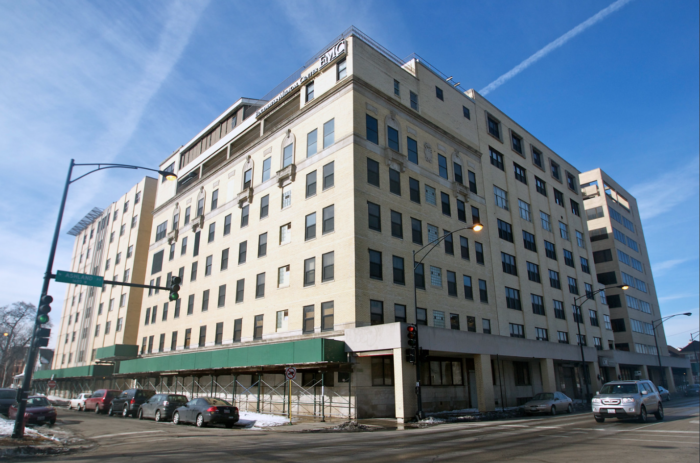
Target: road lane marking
x=547 y=427
x=513 y=426
x=660 y=430
x=694 y=422
x=123 y=434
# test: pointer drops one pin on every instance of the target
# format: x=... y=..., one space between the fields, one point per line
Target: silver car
x=627 y=399
x=664 y=393
x=548 y=402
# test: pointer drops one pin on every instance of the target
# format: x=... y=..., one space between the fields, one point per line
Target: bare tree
x=16 y=325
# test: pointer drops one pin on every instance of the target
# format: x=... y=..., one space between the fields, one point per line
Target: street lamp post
x=579 y=319
x=476 y=227
x=654 y=325
x=18 y=431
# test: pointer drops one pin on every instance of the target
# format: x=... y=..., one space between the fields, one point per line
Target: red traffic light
x=411 y=328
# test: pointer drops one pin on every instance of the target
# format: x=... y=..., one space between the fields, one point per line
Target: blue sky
x=128 y=81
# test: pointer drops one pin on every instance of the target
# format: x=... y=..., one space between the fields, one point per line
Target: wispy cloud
x=602 y=14
x=665 y=191
x=663 y=267
x=674 y=297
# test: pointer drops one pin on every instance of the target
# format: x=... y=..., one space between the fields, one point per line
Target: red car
x=101 y=400
x=38 y=411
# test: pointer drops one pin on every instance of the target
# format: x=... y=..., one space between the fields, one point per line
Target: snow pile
x=7 y=426
x=432 y=420
x=260 y=420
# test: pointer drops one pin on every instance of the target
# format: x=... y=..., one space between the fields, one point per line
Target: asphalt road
x=568 y=438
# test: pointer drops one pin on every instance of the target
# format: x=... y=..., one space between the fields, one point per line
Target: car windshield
x=619 y=389
x=8 y=394
x=37 y=402
x=544 y=396
x=145 y=394
x=112 y=394
x=177 y=399
x=214 y=401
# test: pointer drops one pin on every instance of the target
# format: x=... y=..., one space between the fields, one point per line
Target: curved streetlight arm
x=434 y=244
x=592 y=295
x=659 y=321
x=104 y=166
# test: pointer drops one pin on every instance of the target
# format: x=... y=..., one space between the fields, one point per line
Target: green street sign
x=79 y=279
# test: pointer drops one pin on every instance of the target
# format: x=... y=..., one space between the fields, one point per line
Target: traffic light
x=42 y=313
x=412 y=350
x=174 y=288
x=42 y=337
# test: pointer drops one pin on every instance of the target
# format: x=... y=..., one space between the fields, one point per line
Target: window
x=414 y=101
x=267 y=165
x=524 y=210
x=436 y=276
x=468 y=290
x=517 y=331
x=479 y=248
x=376 y=312
x=606 y=321
x=372 y=172
x=187 y=214
x=310 y=271
x=242 y=252
x=328 y=175
x=486 y=325
x=212 y=230
x=540 y=186
x=195 y=249
x=262 y=245
x=286 y=233
x=465 y=112
x=240 y=286
x=342 y=69
x=438 y=94
x=416 y=231
x=374 y=220
x=287 y=197
x=533 y=272
x=505 y=231
x=550 y=250
x=573 y=285
x=419 y=276
x=327 y=311
x=494 y=127
x=556 y=170
x=396 y=225
x=559 y=310
x=308 y=324
x=310 y=184
x=445 y=199
x=397 y=88
x=571 y=182
x=288 y=155
x=328 y=133
x=564 y=231
x=459 y=178
x=264 y=206
x=161 y=230
x=310 y=227
x=584 y=265
x=501 y=197
x=537 y=304
x=200 y=207
x=283 y=276
x=581 y=339
x=399 y=313
x=529 y=241
x=508 y=263
x=382 y=371
x=430 y=197
x=574 y=208
x=464 y=247
x=258 y=327
x=394 y=181
x=568 y=258
x=554 y=281
x=496 y=158
x=438 y=319
x=309 y=92
x=472 y=182
x=513 y=299
x=221 y=302
x=594 y=317
x=157 y=262
x=442 y=166
x=414 y=190
x=451 y=283
x=432 y=233
x=328 y=271
x=517 y=144
x=454 y=321
x=449 y=244
x=190 y=304
x=214 y=199
x=558 y=197
x=207 y=266
x=205 y=300
x=483 y=293
x=371 y=127
x=375 y=265
x=147 y=320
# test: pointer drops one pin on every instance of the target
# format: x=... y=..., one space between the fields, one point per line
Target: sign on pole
x=51 y=384
x=290 y=373
x=79 y=279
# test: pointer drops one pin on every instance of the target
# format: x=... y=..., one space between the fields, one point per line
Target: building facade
x=294 y=225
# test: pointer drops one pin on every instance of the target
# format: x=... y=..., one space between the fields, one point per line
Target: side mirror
x=645 y=392
x=597 y=392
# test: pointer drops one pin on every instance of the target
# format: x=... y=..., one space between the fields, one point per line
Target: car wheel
x=659 y=415
x=125 y=411
x=229 y=425
x=569 y=409
x=643 y=415
x=599 y=419
x=97 y=409
x=52 y=422
x=176 y=418
x=553 y=410
x=200 y=421
x=140 y=413
x=158 y=417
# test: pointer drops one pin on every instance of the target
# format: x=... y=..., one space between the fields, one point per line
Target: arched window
x=247 y=177
x=288 y=144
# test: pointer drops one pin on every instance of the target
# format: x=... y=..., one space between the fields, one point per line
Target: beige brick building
x=293 y=226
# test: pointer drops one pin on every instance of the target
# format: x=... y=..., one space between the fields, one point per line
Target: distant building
x=43 y=362
x=692 y=353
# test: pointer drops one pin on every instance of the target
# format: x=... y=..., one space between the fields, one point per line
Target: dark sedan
x=38 y=411
x=692 y=390
x=8 y=397
x=160 y=407
x=205 y=411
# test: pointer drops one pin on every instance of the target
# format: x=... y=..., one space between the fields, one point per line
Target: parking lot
x=574 y=437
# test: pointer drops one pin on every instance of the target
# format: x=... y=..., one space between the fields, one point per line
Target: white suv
x=627 y=399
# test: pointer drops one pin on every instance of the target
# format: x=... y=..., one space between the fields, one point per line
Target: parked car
x=101 y=400
x=627 y=399
x=665 y=395
x=205 y=411
x=692 y=390
x=548 y=402
x=79 y=402
x=38 y=411
x=8 y=397
x=160 y=407
x=129 y=401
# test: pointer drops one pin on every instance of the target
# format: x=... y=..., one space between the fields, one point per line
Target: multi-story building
x=621 y=258
x=294 y=225
x=112 y=243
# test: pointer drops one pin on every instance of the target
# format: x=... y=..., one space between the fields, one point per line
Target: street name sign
x=79 y=279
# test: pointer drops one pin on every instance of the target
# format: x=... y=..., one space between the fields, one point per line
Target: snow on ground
x=7 y=426
x=432 y=420
x=260 y=420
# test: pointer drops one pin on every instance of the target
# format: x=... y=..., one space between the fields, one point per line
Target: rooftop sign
x=326 y=58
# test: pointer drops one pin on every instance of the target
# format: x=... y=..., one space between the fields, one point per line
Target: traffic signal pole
x=30 y=361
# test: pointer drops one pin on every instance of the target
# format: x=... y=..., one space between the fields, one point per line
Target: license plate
x=611 y=410
x=227 y=411
x=40 y=418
